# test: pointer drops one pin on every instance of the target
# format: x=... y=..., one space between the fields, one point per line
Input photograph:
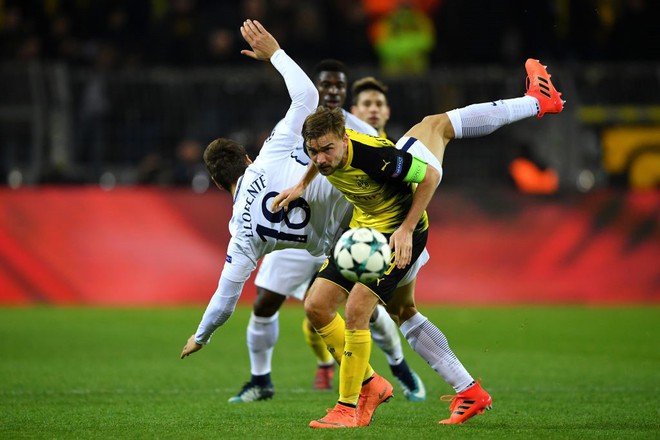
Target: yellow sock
x=355 y=365
x=333 y=336
x=316 y=343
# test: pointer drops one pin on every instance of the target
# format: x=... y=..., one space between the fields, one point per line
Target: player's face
x=332 y=89
x=328 y=152
x=372 y=108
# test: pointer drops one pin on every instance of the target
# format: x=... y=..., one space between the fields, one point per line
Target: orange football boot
x=324 y=376
x=375 y=392
x=341 y=416
x=475 y=400
x=540 y=87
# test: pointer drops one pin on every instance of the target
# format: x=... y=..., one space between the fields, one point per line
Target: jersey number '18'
x=283 y=216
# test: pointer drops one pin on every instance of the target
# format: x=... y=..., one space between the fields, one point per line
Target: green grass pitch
x=553 y=372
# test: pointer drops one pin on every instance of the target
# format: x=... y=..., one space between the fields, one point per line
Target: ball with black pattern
x=362 y=254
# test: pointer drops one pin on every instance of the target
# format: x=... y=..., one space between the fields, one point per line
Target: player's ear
x=216 y=183
x=248 y=160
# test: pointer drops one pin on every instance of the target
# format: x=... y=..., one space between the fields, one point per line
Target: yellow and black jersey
x=384 y=135
x=378 y=181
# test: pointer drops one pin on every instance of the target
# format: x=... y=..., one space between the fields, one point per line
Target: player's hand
x=287 y=196
x=190 y=347
x=263 y=44
x=401 y=243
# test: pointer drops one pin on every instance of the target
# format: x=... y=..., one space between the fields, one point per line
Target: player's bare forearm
x=190 y=347
x=263 y=44
x=287 y=196
x=310 y=175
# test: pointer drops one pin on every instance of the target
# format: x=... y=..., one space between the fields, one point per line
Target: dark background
x=130 y=92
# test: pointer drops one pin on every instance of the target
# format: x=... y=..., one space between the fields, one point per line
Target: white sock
x=429 y=342
x=385 y=335
x=262 y=334
x=478 y=120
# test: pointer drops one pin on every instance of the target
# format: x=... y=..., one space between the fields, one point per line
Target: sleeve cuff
x=279 y=53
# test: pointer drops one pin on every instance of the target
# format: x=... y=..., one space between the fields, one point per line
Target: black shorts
x=383 y=287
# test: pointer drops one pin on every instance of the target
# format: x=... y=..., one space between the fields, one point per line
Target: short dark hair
x=329 y=65
x=367 y=83
x=226 y=161
x=322 y=122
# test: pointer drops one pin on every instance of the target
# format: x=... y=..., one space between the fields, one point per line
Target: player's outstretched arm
x=287 y=196
x=190 y=347
x=223 y=302
x=263 y=44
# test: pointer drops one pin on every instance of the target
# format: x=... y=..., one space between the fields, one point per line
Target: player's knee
x=401 y=312
x=267 y=303
x=317 y=313
x=439 y=125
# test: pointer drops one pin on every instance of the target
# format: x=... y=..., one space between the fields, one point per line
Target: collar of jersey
x=349 y=152
x=238 y=187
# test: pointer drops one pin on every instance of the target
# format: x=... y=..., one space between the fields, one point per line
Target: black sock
x=350 y=405
x=262 y=380
x=403 y=373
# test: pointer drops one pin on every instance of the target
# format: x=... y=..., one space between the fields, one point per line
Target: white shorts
x=412 y=272
x=418 y=149
x=288 y=272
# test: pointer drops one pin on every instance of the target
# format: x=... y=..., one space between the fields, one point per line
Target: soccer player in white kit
x=310 y=225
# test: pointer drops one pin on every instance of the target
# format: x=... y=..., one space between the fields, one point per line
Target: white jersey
x=312 y=221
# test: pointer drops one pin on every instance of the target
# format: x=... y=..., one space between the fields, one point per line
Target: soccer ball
x=362 y=254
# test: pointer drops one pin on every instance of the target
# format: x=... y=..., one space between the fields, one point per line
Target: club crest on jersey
x=228 y=258
x=362 y=182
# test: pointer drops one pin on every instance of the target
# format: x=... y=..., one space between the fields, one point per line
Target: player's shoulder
x=368 y=140
x=354 y=123
x=280 y=143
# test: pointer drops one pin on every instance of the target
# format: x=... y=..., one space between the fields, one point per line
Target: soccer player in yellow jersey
x=378 y=180
x=389 y=189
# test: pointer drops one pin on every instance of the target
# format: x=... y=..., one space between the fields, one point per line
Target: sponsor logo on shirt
x=366 y=197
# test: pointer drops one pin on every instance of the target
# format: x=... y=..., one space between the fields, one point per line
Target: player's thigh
x=288 y=272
